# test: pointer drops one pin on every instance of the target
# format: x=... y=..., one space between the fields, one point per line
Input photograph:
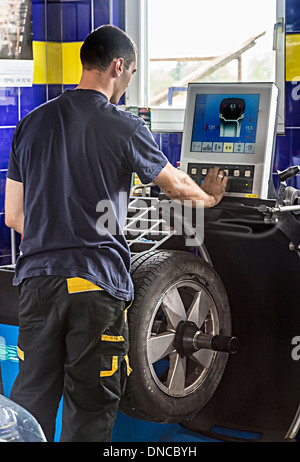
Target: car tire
x=171 y=286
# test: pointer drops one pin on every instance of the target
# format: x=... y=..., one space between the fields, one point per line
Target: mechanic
x=74 y=284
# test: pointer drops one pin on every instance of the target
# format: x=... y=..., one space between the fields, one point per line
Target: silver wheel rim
x=186 y=300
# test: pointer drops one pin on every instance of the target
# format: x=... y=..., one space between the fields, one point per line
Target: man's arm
x=14 y=212
x=178 y=185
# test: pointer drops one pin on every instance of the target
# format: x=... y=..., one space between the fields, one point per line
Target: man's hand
x=215 y=183
x=179 y=186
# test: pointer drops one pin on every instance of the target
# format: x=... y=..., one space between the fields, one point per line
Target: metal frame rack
x=145 y=229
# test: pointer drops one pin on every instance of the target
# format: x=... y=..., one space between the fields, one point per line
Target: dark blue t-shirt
x=74 y=155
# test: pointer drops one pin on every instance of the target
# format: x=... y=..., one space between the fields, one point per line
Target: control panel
x=232 y=126
x=240 y=177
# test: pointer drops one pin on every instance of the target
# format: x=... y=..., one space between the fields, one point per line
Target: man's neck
x=93 y=80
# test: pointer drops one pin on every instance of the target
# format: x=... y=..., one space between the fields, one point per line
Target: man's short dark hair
x=105 y=44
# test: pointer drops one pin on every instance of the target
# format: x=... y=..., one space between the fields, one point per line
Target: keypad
x=240 y=177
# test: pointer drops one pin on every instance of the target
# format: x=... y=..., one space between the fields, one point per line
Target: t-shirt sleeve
x=13 y=172
x=144 y=156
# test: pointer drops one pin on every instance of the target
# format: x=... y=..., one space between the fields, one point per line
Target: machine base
x=259 y=392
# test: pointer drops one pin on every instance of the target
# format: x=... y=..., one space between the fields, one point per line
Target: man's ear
x=118 y=66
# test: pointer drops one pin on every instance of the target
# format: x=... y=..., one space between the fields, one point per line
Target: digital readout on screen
x=225 y=123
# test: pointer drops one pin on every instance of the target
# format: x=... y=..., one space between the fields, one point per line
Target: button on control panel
x=240 y=177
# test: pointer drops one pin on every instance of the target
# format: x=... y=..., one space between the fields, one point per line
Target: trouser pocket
x=31 y=315
x=114 y=363
x=114 y=371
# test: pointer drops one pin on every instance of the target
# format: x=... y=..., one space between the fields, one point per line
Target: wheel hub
x=180 y=351
x=189 y=338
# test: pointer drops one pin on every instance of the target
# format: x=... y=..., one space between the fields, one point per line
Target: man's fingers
x=215 y=182
x=221 y=175
x=222 y=178
x=210 y=174
x=216 y=172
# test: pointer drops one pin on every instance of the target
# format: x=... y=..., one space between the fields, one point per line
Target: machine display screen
x=225 y=123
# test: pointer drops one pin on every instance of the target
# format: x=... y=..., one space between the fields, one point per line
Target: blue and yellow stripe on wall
x=56 y=63
x=59 y=29
x=292 y=57
x=287 y=150
x=59 y=63
x=287 y=146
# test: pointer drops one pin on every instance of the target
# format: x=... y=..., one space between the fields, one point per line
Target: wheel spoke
x=199 y=308
x=176 y=376
x=203 y=357
x=173 y=307
x=160 y=346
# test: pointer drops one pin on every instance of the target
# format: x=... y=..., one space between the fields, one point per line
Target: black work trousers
x=75 y=346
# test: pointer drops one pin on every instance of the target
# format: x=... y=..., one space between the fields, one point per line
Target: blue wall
x=288 y=146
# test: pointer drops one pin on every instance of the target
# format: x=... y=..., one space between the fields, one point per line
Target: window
x=218 y=41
